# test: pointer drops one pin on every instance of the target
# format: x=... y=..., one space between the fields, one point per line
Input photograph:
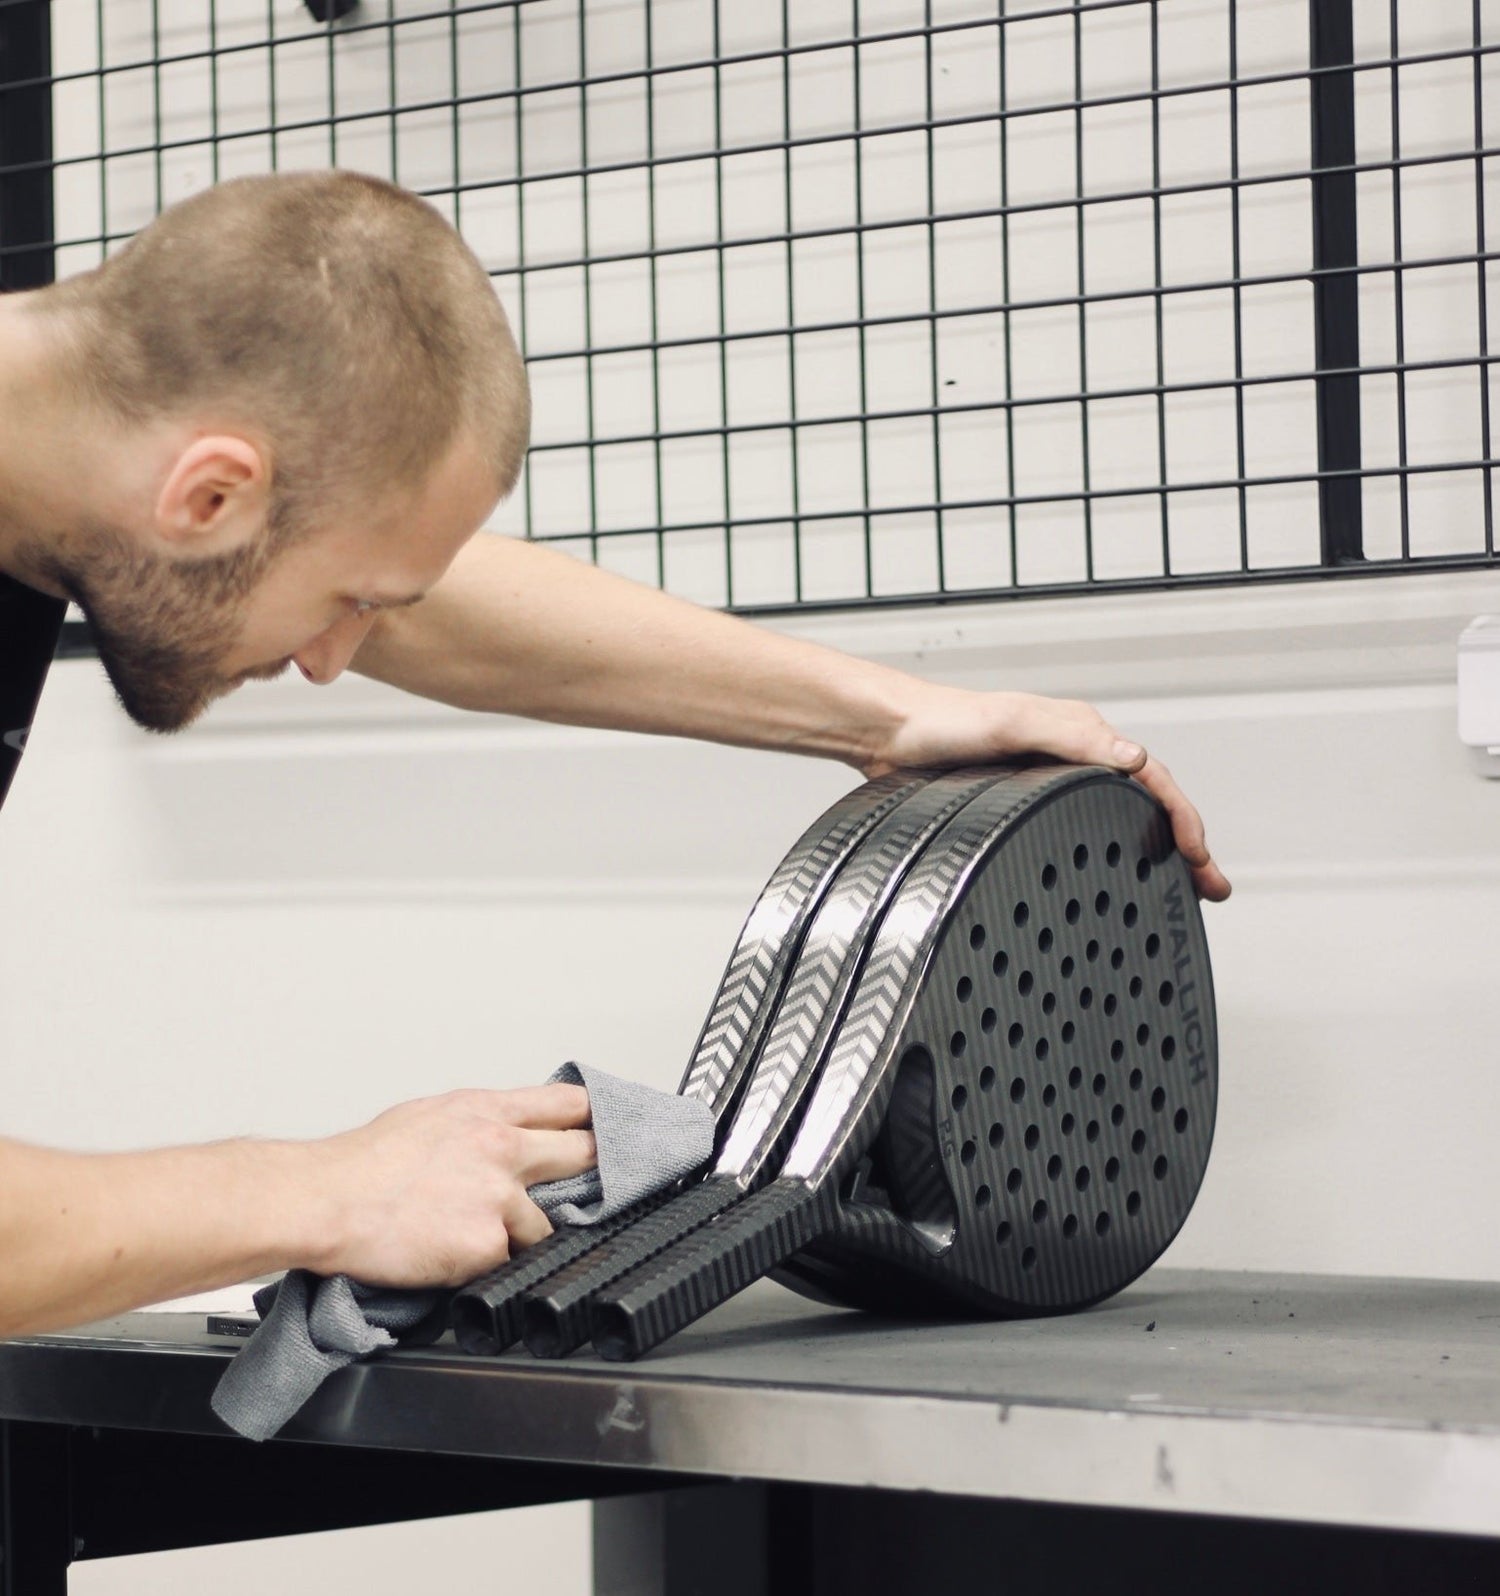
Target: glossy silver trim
x=812 y=1002
x=768 y=940
x=888 y=986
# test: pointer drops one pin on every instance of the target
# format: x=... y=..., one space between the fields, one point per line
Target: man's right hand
x=433 y=1192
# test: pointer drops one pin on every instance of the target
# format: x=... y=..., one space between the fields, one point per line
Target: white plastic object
x=1479 y=692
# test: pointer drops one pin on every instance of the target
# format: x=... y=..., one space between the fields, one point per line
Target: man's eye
x=363 y=606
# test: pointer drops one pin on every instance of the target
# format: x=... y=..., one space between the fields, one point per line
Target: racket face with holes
x=1053 y=1087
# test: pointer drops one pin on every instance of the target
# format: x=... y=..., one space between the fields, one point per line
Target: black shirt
x=30 y=623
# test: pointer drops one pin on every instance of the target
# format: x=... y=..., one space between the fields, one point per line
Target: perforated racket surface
x=1017 y=1112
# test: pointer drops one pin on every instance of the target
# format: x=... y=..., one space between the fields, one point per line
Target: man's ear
x=215 y=497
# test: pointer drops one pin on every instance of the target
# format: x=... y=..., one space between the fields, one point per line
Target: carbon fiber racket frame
x=1017 y=1112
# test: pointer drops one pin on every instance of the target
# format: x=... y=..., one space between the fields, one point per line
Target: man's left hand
x=949 y=726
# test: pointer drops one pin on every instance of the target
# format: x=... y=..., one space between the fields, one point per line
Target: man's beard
x=162 y=628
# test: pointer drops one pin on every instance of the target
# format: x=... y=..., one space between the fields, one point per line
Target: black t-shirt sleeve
x=30 y=623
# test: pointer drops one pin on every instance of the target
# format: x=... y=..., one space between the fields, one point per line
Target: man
x=265 y=433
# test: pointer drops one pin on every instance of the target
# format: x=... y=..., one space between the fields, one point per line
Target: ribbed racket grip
x=555 y=1315
x=487 y=1313
x=708 y=1267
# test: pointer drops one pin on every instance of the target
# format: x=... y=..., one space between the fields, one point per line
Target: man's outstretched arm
x=429 y=1193
x=523 y=630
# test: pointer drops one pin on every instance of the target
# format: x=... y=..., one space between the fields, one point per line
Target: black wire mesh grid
x=853 y=302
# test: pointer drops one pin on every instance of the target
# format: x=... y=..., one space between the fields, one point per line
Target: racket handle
x=487 y=1313
x=555 y=1315
x=708 y=1267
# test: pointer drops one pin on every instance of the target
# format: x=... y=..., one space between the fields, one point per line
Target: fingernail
x=1127 y=753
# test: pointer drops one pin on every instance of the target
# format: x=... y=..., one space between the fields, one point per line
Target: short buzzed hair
x=337 y=315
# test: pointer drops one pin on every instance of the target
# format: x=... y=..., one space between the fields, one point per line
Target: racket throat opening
x=904 y=1172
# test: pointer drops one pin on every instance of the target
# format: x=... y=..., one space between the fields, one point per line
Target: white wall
x=543 y=1549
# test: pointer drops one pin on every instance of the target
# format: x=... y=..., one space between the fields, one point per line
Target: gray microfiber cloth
x=312 y=1325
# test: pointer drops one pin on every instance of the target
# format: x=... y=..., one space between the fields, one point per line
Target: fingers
x=556 y=1107
x=1212 y=883
x=553 y=1155
x=1079 y=733
x=1187 y=830
x=525 y=1223
x=533 y=1156
x=1106 y=745
x=1187 y=823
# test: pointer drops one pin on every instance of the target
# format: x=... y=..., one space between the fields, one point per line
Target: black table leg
x=36 y=1539
x=707 y=1540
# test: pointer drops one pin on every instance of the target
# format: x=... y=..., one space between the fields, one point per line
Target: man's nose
x=327 y=657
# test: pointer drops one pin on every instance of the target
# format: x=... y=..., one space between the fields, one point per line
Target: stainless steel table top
x=1338 y=1400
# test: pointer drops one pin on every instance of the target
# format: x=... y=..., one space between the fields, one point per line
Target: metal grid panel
x=862 y=301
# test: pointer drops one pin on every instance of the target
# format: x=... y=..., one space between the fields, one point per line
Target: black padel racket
x=1016 y=1114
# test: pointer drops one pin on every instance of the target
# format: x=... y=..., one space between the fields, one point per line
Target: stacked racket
x=962 y=1059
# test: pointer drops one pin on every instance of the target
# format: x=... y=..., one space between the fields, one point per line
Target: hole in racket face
x=1079 y=1139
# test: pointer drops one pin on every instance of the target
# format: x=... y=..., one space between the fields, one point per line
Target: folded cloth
x=312 y=1325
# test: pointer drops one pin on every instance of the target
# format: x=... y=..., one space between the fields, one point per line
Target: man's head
x=307 y=398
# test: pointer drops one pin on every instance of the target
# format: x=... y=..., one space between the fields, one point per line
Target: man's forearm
x=85 y=1235
x=523 y=630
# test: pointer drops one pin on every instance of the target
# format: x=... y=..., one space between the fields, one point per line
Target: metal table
x=1246 y=1418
